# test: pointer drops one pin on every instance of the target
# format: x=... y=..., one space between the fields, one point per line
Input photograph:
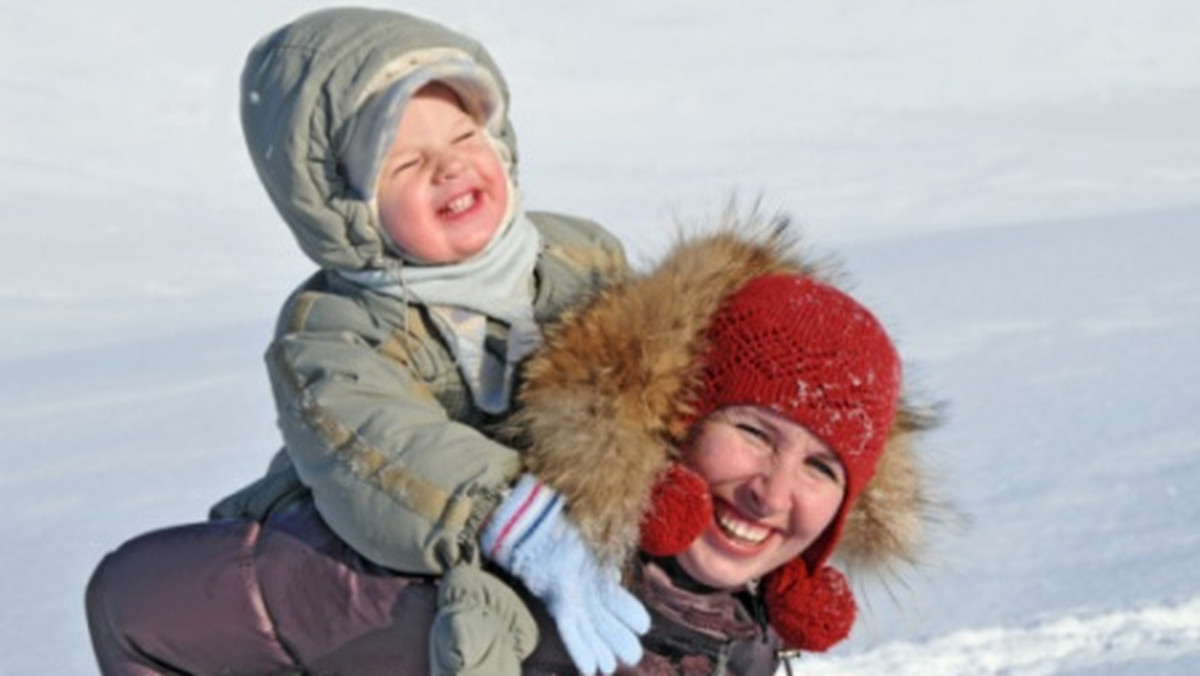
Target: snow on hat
x=374 y=126
x=810 y=352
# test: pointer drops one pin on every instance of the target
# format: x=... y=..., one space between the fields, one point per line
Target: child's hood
x=301 y=87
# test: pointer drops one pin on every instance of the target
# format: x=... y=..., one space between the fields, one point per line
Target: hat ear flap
x=812 y=612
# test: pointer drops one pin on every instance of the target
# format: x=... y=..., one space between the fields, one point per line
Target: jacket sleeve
x=581 y=258
x=389 y=469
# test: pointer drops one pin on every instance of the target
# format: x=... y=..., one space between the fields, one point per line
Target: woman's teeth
x=459 y=204
x=739 y=528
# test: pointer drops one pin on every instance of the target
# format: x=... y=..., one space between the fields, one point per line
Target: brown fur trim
x=887 y=524
x=608 y=399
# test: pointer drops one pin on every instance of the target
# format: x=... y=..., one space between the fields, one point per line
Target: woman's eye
x=753 y=431
x=826 y=468
x=465 y=136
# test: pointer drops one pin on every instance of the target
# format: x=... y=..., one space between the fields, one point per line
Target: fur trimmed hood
x=608 y=400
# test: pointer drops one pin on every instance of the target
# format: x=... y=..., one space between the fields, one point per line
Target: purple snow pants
x=237 y=597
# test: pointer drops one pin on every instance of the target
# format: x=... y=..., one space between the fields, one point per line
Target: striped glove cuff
x=530 y=505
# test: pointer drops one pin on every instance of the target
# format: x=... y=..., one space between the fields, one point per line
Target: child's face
x=775 y=489
x=443 y=189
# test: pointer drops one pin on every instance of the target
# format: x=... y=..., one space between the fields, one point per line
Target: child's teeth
x=461 y=204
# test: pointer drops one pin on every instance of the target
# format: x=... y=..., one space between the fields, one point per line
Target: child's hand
x=680 y=510
x=481 y=626
x=598 y=620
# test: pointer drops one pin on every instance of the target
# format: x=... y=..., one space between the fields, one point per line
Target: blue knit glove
x=598 y=620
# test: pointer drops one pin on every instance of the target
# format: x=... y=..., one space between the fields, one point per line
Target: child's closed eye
x=403 y=163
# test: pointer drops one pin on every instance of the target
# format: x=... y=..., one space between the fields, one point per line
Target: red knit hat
x=810 y=352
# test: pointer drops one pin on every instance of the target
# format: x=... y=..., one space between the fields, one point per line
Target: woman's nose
x=771 y=492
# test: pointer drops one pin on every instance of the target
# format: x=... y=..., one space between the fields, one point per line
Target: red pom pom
x=813 y=612
x=680 y=510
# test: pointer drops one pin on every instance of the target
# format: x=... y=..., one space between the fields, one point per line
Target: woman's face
x=775 y=488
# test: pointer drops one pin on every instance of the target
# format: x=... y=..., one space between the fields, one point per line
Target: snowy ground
x=1013 y=185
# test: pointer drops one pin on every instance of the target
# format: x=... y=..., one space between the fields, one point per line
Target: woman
x=761 y=409
x=721 y=425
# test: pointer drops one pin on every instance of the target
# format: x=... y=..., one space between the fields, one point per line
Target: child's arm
x=390 y=471
x=396 y=476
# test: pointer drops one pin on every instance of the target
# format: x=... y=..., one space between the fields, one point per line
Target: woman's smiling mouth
x=737 y=528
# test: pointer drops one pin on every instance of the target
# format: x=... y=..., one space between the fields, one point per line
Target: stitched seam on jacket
x=373 y=466
x=298 y=313
x=367 y=462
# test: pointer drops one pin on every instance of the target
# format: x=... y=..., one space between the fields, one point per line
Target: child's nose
x=449 y=167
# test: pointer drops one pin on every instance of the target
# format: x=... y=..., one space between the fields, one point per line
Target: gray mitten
x=482 y=628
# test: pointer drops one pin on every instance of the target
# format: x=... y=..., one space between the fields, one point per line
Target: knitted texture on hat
x=809 y=612
x=810 y=352
x=680 y=510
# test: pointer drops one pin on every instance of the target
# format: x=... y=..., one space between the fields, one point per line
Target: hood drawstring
x=758 y=608
x=722 y=665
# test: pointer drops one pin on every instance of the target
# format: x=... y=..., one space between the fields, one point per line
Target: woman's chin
x=716 y=561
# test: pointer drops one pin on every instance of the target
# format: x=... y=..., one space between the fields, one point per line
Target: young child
x=384 y=143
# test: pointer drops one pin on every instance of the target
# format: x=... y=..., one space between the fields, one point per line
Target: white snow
x=1014 y=186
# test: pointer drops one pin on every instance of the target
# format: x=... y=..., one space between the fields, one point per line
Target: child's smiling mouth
x=460 y=205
